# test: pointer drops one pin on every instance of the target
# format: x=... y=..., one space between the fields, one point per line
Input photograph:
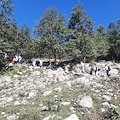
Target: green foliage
x=8 y=31
x=53 y=38
x=26 y=45
x=1 y=65
x=81 y=43
x=8 y=27
x=51 y=31
x=112 y=114
x=101 y=43
x=10 y=72
x=113 y=36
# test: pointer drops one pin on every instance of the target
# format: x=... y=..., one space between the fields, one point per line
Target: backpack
x=84 y=66
x=91 y=69
x=98 y=68
x=109 y=68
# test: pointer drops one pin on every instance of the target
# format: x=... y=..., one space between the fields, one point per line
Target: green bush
x=112 y=114
x=1 y=65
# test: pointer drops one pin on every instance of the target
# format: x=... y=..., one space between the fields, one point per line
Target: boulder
x=36 y=73
x=113 y=71
x=86 y=102
x=72 y=117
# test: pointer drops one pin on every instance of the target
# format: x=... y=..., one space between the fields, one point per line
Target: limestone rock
x=72 y=117
x=86 y=102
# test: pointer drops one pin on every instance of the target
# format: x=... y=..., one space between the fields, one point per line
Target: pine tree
x=101 y=42
x=81 y=44
x=8 y=28
x=113 y=36
x=24 y=40
x=51 y=31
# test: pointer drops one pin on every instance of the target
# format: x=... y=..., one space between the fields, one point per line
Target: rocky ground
x=34 y=93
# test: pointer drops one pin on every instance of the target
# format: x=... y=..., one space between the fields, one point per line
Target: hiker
x=20 y=59
x=107 y=68
x=41 y=63
x=83 y=67
x=96 y=69
x=14 y=60
x=50 y=65
x=17 y=58
x=91 y=69
x=6 y=57
x=34 y=62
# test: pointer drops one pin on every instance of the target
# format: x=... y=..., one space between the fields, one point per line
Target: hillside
x=34 y=93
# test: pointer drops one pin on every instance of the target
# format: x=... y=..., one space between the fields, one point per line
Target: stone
x=17 y=103
x=58 y=89
x=86 y=102
x=9 y=99
x=15 y=76
x=36 y=73
x=103 y=110
x=49 y=117
x=24 y=102
x=44 y=108
x=65 y=103
x=2 y=113
x=12 y=117
x=47 y=93
x=106 y=97
x=11 y=65
x=113 y=106
x=7 y=78
x=106 y=104
x=113 y=71
x=31 y=94
x=72 y=117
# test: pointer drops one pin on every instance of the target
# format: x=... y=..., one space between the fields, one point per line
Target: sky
x=102 y=12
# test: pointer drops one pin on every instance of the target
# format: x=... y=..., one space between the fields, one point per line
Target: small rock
x=58 y=89
x=44 y=108
x=36 y=73
x=31 y=94
x=47 y=93
x=107 y=97
x=65 y=103
x=2 y=113
x=17 y=103
x=10 y=99
x=72 y=117
x=102 y=110
x=106 y=104
x=15 y=76
x=86 y=102
x=12 y=117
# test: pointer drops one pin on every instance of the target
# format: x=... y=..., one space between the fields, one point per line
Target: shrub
x=112 y=114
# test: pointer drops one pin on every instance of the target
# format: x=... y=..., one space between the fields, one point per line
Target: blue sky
x=101 y=11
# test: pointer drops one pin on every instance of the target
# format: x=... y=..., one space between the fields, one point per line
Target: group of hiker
x=17 y=59
x=40 y=61
x=95 y=69
x=92 y=68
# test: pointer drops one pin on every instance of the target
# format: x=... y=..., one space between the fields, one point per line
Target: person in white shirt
x=83 y=67
x=107 y=68
x=41 y=63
